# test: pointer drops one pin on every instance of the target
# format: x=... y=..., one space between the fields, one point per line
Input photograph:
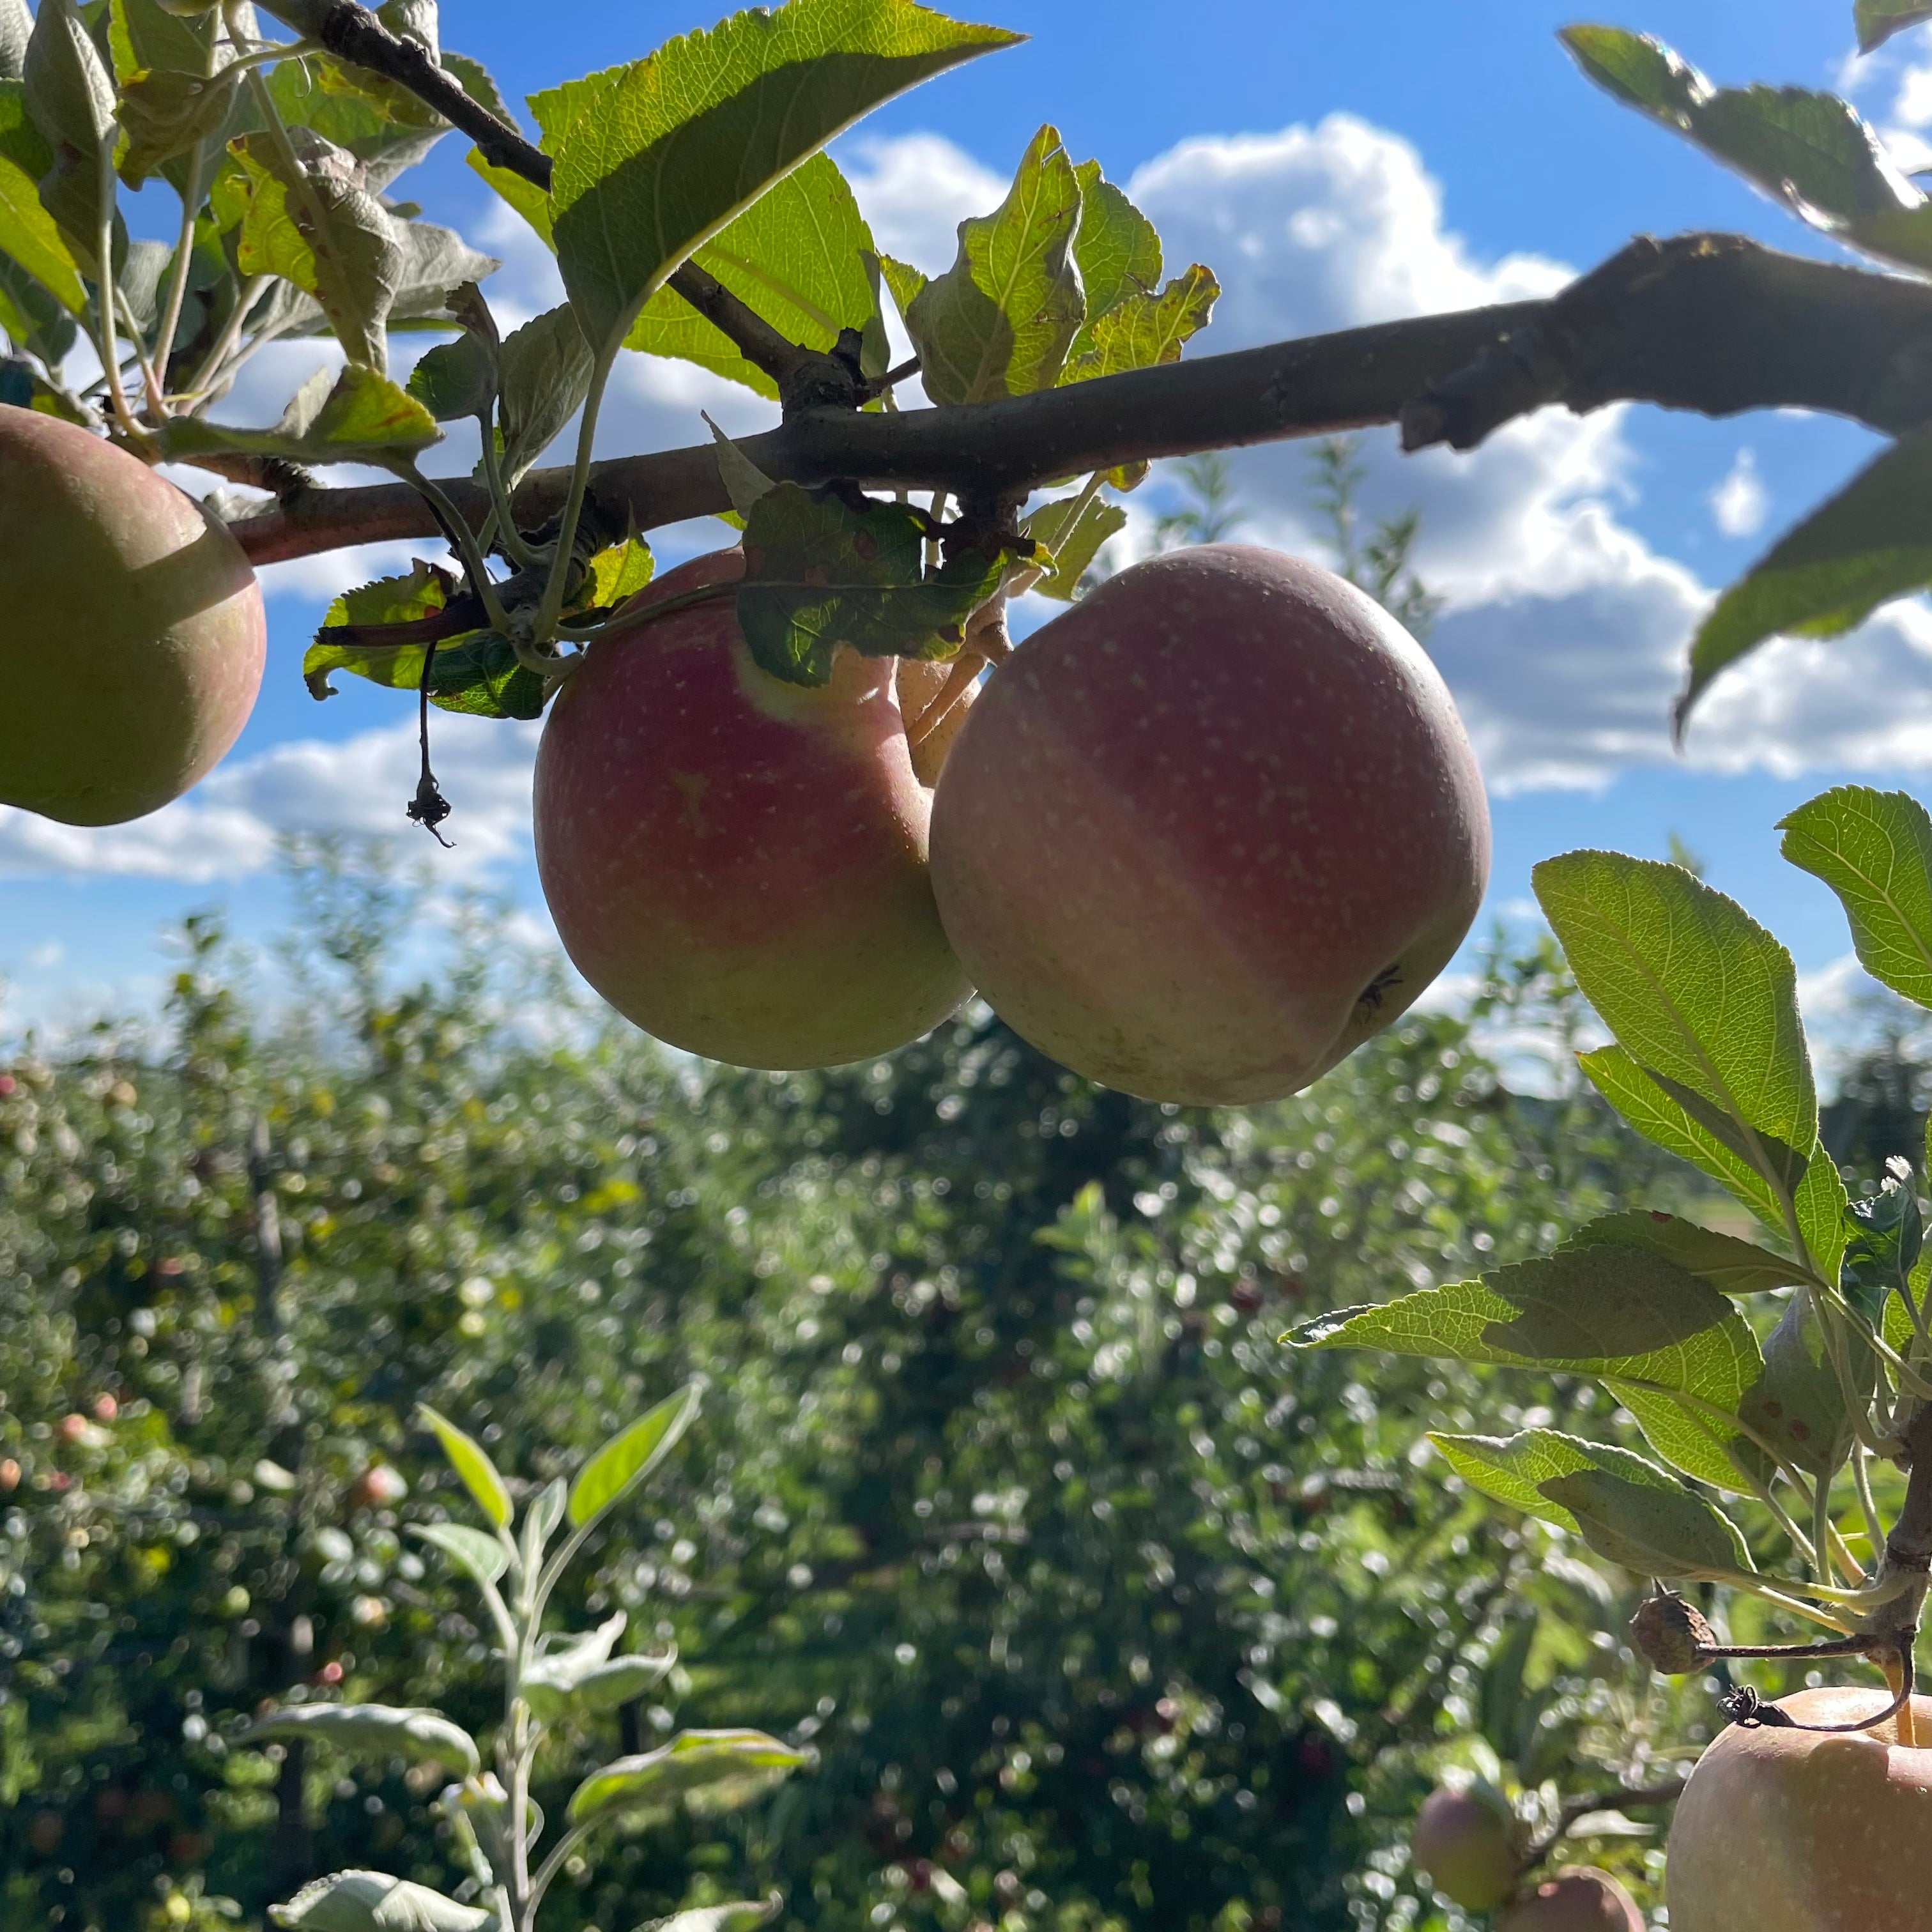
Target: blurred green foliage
x=1100 y=1607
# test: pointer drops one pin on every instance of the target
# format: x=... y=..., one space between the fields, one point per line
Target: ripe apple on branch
x=1200 y=836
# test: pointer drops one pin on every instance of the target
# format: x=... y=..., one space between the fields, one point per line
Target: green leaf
x=35 y=322
x=1877 y=20
x=579 y=1677
x=1642 y=73
x=363 y=1901
x=471 y=1462
x=1072 y=550
x=1699 y=995
x=1811 y=151
x=360 y=417
x=28 y=234
x=474 y=1551
x=385 y=128
x=740 y=1915
x=436 y=262
x=1001 y=320
x=525 y=196
x=904 y=280
x=1874 y=849
x=653 y=159
x=1118 y=249
x=798 y=257
x=566 y=1659
x=1145 y=330
x=70 y=92
x=143 y=36
x=545 y=375
x=1629 y=1315
x=315 y=225
x=630 y=1455
x=1730 y=1266
x=374 y=1732
x=1869 y=544
x=821 y=571
x=455 y=380
x=1626 y=1508
x=744 y=482
x=1885 y=1238
x=1798 y=1404
x=614 y=575
x=166 y=115
x=1655 y=1114
x=707 y=1770
x=542 y=1515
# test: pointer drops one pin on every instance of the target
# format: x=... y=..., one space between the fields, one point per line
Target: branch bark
x=1713 y=323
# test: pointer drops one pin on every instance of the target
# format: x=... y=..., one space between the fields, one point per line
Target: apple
x=1782 y=1830
x=1582 y=1899
x=737 y=864
x=131 y=636
x=1207 y=832
x=1470 y=1844
x=377 y=1487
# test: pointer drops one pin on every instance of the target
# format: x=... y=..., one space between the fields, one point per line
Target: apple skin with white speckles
x=1212 y=828
x=132 y=638
x=737 y=864
x=1781 y=1830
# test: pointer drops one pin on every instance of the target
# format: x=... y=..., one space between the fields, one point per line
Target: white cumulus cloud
x=1740 y=502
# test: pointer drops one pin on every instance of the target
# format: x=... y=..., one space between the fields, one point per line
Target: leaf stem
x=105 y=292
x=169 y=325
x=550 y=610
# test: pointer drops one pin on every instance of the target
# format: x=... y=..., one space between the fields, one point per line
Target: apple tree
x=848 y=636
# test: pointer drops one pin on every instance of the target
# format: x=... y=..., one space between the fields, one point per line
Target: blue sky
x=1335 y=165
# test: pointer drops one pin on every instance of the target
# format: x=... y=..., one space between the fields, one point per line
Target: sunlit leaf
x=797 y=256
x=630 y=1455
x=1874 y=849
x=708 y=1770
x=28 y=235
x=1001 y=320
x=359 y=417
x=316 y=225
x=470 y=1460
x=481 y=1555
x=1728 y=1265
x=653 y=159
x=1072 y=550
x=1626 y=1508
x=362 y=1901
x=1810 y=152
x=1145 y=330
x=372 y=1732
x=1869 y=543
x=1699 y=995
x=1629 y=1315
x=1877 y=20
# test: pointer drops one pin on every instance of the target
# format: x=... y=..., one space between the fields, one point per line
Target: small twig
x=429 y=808
x=1623 y=1798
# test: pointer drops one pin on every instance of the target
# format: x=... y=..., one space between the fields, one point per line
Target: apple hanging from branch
x=133 y=639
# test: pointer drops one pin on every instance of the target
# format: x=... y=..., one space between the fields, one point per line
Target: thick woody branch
x=353 y=33
x=1712 y=323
